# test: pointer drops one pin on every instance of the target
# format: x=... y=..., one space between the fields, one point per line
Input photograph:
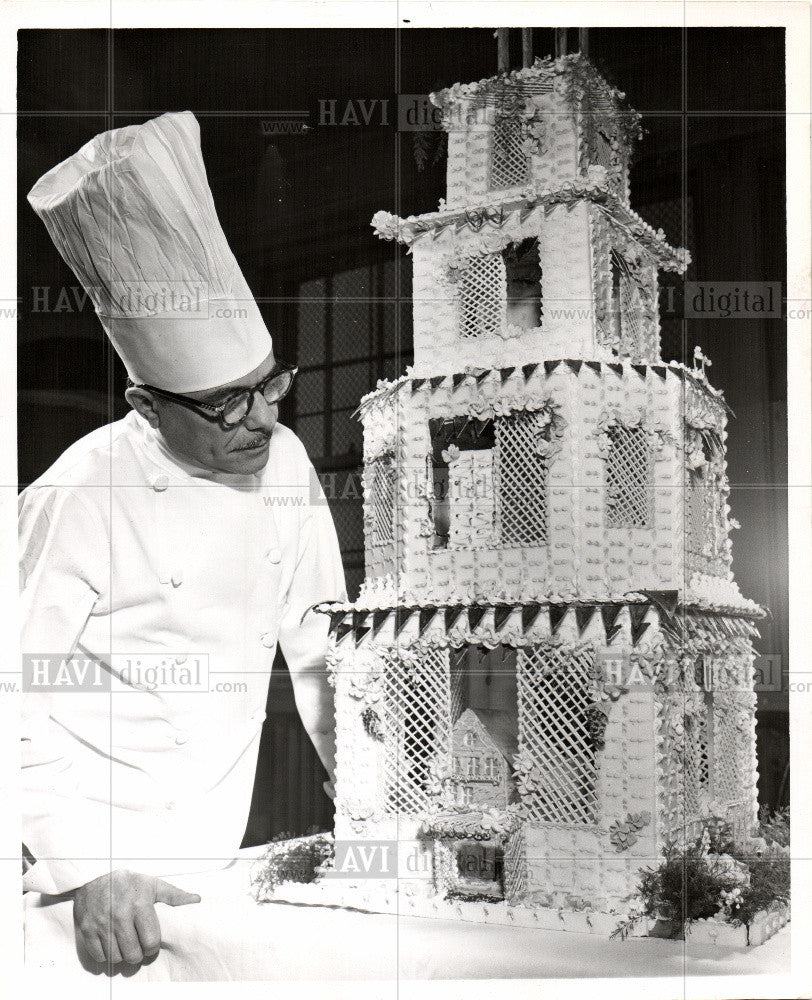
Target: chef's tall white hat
x=132 y=214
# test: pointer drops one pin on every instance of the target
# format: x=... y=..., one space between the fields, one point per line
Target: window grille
x=383 y=490
x=676 y=218
x=555 y=691
x=482 y=290
x=628 y=478
x=416 y=714
x=520 y=479
x=346 y=330
x=509 y=162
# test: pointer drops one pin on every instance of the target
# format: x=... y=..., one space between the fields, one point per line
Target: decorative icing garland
x=385 y=391
x=393 y=227
x=657 y=435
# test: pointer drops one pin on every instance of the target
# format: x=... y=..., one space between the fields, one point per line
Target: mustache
x=255 y=442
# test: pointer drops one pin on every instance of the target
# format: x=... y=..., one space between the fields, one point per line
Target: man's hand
x=114 y=916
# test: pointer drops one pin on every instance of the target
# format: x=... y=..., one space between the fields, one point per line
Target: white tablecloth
x=228 y=936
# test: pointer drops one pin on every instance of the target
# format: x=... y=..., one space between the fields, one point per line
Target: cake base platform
x=229 y=936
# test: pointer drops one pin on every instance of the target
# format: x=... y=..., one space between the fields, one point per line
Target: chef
x=171 y=550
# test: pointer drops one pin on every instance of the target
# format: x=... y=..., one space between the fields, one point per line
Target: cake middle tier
x=571 y=478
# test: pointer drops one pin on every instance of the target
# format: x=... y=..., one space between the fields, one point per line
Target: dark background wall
x=296 y=205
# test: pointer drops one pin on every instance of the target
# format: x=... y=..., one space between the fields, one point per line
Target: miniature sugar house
x=549 y=671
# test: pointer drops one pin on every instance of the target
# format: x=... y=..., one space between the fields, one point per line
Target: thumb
x=171 y=894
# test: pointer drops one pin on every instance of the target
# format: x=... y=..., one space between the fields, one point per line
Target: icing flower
x=480 y=408
x=450 y=454
x=385 y=225
x=504 y=407
x=495 y=821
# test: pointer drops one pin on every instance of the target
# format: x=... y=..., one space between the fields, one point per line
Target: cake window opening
x=628 y=478
x=509 y=162
x=480 y=868
x=602 y=151
x=523 y=305
x=461 y=496
x=481 y=295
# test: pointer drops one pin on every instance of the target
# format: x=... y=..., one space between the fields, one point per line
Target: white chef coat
x=126 y=550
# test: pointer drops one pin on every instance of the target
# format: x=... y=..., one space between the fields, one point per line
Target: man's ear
x=143 y=402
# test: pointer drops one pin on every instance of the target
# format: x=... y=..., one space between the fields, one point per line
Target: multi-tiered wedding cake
x=549 y=670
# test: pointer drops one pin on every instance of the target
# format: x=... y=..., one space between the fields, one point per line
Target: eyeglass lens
x=238 y=407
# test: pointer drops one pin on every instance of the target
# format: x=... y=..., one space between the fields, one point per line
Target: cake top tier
x=557 y=117
x=535 y=254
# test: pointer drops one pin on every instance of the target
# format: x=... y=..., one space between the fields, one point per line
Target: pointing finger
x=171 y=894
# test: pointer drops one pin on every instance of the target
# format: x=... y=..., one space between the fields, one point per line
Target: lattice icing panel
x=481 y=296
x=555 y=689
x=383 y=496
x=509 y=162
x=521 y=479
x=416 y=718
x=628 y=478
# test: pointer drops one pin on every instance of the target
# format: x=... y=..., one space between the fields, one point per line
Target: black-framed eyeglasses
x=236 y=407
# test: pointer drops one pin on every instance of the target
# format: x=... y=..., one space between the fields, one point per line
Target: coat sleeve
x=64 y=563
x=303 y=633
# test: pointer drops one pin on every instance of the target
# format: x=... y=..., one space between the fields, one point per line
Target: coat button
x=268 y=639
x=160 y=484
x=181 y=739
x=274 y=554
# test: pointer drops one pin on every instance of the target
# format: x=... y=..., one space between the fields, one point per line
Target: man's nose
x=263 y=415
